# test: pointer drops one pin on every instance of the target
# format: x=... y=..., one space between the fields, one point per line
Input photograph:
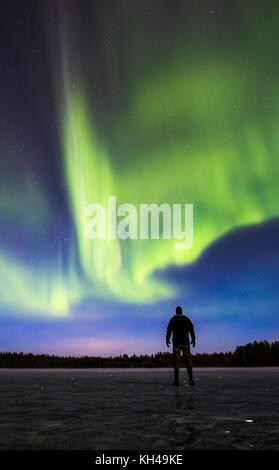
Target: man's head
x=178 y=311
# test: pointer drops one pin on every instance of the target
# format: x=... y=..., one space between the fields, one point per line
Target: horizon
x=169 y=351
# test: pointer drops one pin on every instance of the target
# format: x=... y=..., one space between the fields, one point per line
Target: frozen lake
x=139 y=409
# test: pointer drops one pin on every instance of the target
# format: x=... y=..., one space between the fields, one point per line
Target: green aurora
x=231 y=181
x=199 y=132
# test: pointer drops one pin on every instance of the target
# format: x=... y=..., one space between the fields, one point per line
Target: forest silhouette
x=256 y=354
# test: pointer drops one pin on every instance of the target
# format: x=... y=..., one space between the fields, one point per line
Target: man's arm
x=169 y=331
x=192 y=333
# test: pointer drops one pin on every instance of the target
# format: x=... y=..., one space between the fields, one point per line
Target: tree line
x=256 y=354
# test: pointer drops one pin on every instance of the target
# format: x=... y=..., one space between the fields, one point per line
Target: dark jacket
x=180 y=326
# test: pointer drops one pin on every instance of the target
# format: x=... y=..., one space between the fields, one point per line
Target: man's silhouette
x=180 y=326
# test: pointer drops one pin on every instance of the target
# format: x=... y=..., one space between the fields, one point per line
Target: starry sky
x=154 y=102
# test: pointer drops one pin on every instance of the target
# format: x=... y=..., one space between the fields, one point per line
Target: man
x=180 y=326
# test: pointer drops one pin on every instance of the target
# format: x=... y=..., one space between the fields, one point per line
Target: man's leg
x=190 y=373
x=188 y=359
x=176 y=355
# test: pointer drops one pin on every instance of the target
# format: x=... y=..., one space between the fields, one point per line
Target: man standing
x=180 y=326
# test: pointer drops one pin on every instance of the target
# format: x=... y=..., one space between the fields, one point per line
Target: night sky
x=154 y=102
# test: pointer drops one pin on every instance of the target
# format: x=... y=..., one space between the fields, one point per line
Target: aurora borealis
x=165 y=102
